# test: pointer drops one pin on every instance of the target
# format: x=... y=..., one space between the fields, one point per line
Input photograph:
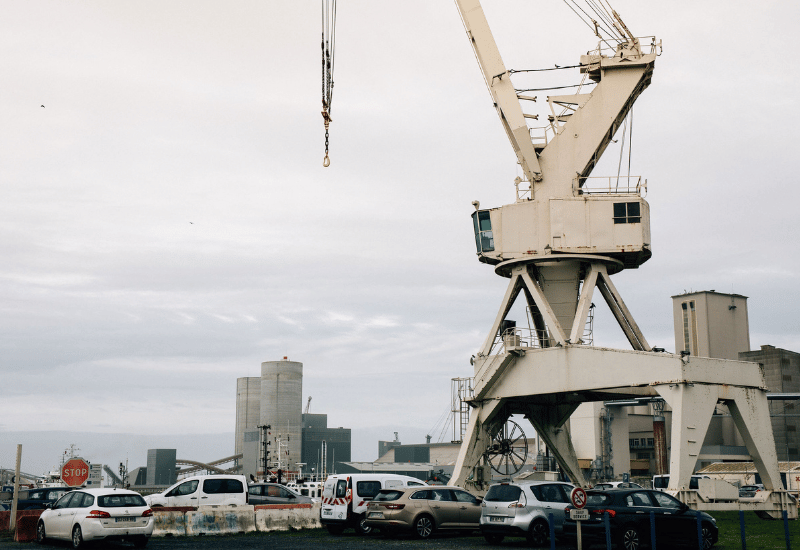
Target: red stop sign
x=75 y=472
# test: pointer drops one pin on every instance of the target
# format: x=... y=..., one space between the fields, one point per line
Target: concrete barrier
x=26 y=528
x=220 y=520
x=5 y=517
x=170 y=522
x=286 y=517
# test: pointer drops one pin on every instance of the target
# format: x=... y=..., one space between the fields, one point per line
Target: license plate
x=124 y=519
x=327 y=512
x=376 y=515
x=579 y=515
x=496 y=518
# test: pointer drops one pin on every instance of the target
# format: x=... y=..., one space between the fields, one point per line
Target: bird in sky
x=42 y=106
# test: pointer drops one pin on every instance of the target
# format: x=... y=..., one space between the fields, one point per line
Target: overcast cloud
x=166 y=223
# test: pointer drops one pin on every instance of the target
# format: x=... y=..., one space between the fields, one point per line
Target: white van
x=345 y=498
x=202 y=491
x=661 y=482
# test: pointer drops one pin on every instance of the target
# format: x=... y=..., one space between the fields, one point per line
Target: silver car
x=524 y=510
x=273 y=493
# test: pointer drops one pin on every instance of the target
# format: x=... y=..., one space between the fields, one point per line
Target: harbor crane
x=566 y=233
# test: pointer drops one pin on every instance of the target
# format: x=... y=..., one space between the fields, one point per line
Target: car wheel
x=335 y=529
x=494 y=539
x=40 y=533
x=77 y=537
x=361 y=526
x=537 y=534
x=140 y=542
x=423 y=527
x=708 y=537
x=629 y=538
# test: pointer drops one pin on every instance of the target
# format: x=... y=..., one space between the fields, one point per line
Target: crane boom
x=500 y=87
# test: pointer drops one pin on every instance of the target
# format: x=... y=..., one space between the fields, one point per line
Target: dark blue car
x=629 y=520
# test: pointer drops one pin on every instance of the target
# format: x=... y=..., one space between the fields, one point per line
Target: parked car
x=524 y=510
x=274 y=493
x=424 y=511
x=203 y=490
x=85 y=515
x=618 y=485
x=749 y=491
x=629 y=519
x=661 y=482
x=345 y=498
x=38 y=499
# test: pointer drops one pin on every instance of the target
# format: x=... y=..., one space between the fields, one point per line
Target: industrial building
x=161 y=467
x=272 y=432
x=621 y=436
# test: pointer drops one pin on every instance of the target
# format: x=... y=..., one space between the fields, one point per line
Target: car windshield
x=118 y=501
x=385 y=496
x=503 y=493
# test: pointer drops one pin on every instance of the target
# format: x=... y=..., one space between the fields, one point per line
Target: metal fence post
x=786 y=530
x=552 y=532
x=608 y=530
x=741 y=528
x=652 y=530
x=699 y=531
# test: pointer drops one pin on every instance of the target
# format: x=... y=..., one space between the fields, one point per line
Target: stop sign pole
x=578 y=499
x=75 y=472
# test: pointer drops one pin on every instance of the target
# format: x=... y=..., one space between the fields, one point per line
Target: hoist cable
x=622 y=149
x=328 y=45
x=604 y=16
x=597 y=26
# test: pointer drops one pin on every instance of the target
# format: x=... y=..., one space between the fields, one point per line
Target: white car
x=85 y=515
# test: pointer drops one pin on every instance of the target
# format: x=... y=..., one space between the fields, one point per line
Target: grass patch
x=760 y=534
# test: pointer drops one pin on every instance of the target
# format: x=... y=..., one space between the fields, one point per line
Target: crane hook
x=327 y=118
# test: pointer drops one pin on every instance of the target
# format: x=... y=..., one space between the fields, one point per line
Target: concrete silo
x=248 y=407
x=281 y=408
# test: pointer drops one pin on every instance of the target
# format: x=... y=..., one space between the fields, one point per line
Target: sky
x=166 y=223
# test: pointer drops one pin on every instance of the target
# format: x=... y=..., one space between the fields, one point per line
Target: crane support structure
x=559 y=243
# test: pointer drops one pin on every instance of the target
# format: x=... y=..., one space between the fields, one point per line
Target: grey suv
x=524 y=510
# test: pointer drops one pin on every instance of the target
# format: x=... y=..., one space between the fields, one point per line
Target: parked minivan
x=345 y=498
x=202 y=491
x=661 y=482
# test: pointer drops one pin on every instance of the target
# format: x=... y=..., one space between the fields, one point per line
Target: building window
x=787 y=377
x=633 y=442
x=643 y=456
x=651 y=442
x=791 y=428
x=627 y=212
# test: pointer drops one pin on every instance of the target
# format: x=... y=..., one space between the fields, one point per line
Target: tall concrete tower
x=248 y=407
x=282 y=408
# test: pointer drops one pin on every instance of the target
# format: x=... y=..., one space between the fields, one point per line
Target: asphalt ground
x=295 y=540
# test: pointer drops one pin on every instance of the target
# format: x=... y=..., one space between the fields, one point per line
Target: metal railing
x=610 y=185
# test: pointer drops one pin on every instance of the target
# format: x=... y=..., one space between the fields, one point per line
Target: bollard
x=741 y=528
x=786 y=531
x=699 y=531
x=552 y=532
x=607 y=521
x=652 y=530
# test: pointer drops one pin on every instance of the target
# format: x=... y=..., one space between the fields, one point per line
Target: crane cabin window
x=627 y=212
x=484 y=239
